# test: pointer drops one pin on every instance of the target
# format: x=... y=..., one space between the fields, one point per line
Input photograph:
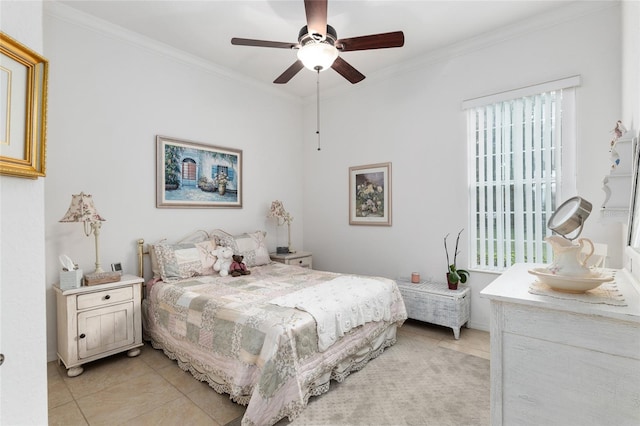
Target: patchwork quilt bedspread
x=257 y=335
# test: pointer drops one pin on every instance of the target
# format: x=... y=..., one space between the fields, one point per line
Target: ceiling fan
x=319 y=46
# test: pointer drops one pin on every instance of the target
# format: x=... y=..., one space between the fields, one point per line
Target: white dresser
x=556 y=361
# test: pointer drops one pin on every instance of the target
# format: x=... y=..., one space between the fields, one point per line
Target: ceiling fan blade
x=374 y=41
x=263 y=43
x=347 y=71
x=289 y=73
x=316 y=11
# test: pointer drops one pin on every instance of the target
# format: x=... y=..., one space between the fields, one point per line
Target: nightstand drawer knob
x=82 y=336
x=107 y=297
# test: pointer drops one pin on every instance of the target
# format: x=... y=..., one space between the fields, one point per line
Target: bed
x=270 y=339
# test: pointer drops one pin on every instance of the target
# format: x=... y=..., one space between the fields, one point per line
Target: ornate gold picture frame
x=23 y=110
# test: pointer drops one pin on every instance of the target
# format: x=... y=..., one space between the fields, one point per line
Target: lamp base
x=282 y=250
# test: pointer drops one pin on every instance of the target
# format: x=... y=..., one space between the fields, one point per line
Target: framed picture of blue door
x=196 y=175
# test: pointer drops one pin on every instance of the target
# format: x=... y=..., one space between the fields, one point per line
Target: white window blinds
x=517 y=152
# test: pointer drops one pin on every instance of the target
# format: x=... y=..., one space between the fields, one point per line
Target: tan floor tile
x=479 y=339
x=218 y=406
x=66 y=415
x=55 y=370
x=181 y=411
x=464 y=349
x=155 y=358
x=126 y=400
x=182 y=380
x=106 y=372
x=470 y=338
x=58 y=391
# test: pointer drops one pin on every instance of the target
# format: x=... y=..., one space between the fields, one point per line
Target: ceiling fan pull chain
x=318 y=105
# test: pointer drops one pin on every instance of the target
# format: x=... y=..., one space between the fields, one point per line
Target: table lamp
x=277 y=210
x=83 y=210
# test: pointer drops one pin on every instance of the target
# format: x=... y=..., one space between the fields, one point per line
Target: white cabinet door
x=105 y=329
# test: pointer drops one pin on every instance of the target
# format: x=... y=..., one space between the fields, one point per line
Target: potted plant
x=454 y=275
x=205 y=184
x=221 y=181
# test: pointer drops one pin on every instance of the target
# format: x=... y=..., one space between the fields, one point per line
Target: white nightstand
x=301 y=258
x=434 y=303
x=98 y=321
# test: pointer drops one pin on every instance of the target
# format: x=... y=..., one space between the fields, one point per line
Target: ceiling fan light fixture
x=316 y=56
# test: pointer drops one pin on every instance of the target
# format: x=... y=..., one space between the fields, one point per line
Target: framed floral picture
x=195 y=175
x=370 y=194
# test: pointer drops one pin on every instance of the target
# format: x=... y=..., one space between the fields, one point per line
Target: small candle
x=415 y=277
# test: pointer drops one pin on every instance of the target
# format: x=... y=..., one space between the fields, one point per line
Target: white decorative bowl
x=569 y=284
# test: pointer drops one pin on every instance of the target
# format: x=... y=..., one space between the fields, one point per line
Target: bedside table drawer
x=102 y=298
x=303 y=259
x=305 y=262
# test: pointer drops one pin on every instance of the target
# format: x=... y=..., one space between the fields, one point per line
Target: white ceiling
x=205 y=29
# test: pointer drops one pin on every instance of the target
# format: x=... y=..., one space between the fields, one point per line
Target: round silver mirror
x=569 y=217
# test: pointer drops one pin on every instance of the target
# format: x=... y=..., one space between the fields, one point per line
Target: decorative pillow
x=155 y=268
x=184 y=260
x=194 y=237
x=206 y=250
x=253 y=246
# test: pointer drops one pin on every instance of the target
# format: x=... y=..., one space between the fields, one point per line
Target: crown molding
x=59 y=11
x=572 y=11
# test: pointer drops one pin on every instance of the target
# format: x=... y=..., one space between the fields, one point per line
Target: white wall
x=110 y=94
x=22 y=280
x=414 y=119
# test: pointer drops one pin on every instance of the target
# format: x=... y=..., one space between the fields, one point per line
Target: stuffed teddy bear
x=223 y=261
x=238 y=267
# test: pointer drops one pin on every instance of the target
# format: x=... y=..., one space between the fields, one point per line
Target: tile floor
x=152 y=390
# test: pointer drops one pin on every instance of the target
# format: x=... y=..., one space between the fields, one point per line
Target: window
x=226 y=170
x=521 y=146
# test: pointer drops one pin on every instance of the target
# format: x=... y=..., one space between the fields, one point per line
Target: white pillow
x=194 y=237
x=184 y=260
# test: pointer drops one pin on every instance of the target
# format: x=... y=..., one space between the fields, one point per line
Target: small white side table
x=301 y=258
x=98 y=321
x=434 y=303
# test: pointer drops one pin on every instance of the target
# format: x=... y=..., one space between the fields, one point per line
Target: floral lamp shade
x=82 y=209
x=277 y=210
